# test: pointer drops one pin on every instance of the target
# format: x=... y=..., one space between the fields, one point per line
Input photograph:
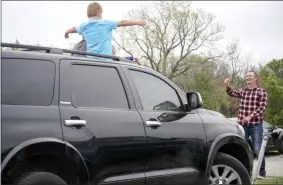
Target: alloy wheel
x=223 y=174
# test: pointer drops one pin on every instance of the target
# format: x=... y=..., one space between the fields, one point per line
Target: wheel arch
x=224 y=143
x=51 y=147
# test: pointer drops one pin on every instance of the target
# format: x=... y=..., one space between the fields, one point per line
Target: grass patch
x=270 y=180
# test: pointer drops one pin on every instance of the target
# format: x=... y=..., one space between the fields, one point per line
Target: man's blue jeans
x=256 y=133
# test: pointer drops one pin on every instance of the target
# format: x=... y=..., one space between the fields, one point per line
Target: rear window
x=27 y=82
x=97 y=86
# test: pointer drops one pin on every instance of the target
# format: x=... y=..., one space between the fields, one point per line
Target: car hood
x=277 y=130
x=214 y=117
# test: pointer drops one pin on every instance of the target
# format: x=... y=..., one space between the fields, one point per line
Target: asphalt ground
x=274 y=164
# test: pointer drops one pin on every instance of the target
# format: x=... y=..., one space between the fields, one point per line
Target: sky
x=258 y=25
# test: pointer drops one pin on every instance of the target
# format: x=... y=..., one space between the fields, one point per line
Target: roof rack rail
x=60 y=51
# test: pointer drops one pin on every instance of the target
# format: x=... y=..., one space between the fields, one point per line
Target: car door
x=99 y=119
x=268 y=130
x=175 y=138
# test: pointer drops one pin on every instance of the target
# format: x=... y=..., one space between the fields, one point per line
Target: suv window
x=154 y=93
x=97 y=86
x=27 y=82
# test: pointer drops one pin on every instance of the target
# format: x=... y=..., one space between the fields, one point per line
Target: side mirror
x=194 y=101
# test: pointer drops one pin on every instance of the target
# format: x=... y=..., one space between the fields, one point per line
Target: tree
x=174 y=33
x=272 y=80
x=234 y=58
x=239 y=63
x=206 y=86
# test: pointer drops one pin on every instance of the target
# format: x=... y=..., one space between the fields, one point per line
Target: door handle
x=75 y=123
x=153 y=124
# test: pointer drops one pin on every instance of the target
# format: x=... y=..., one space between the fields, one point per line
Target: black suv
x=77 y=120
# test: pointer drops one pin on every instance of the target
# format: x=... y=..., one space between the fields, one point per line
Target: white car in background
x=274 y=134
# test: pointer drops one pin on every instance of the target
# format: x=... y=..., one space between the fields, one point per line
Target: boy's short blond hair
x=93 y=9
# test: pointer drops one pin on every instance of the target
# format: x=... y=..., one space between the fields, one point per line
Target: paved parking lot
x=274 y=164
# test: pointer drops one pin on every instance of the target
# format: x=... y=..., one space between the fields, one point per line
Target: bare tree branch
x=174 y=32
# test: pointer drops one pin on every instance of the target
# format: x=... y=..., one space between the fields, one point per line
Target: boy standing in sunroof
x=98 y=32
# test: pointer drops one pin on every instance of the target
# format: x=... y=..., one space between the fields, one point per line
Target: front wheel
x=42 y=178
x=228 y=170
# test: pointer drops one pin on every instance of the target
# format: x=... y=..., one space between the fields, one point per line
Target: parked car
x=75 y=120
x=274 y=134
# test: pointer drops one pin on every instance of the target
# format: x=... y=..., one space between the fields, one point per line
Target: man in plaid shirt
x=252 y=104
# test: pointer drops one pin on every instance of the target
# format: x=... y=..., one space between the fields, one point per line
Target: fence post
x=259 y=160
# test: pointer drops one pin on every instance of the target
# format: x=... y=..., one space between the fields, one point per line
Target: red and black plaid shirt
x=252 y=102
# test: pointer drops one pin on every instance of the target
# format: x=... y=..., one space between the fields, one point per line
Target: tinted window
x=27 y=82
x=155 y=94
x=96 y=86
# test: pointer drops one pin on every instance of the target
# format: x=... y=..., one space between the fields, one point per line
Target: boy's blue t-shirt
x=98 y=35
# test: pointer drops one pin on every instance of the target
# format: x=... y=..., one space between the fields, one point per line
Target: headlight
x=243 y=133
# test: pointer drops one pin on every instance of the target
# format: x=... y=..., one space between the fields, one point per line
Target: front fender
x=221 y=140
x=45 y=146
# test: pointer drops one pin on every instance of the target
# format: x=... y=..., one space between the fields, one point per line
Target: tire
x=40 y=178
x=233 y=168
x=250 y=144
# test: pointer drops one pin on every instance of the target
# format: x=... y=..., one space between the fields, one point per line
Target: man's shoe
x=261 y=177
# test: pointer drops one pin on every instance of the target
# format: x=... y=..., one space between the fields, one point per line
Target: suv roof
x=38 y=50
x=59 y=53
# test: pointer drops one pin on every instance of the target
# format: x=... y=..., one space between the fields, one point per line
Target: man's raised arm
x=233 y=93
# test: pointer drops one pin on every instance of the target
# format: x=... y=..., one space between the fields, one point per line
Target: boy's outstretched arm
x=70 y=30
x=130 y=23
